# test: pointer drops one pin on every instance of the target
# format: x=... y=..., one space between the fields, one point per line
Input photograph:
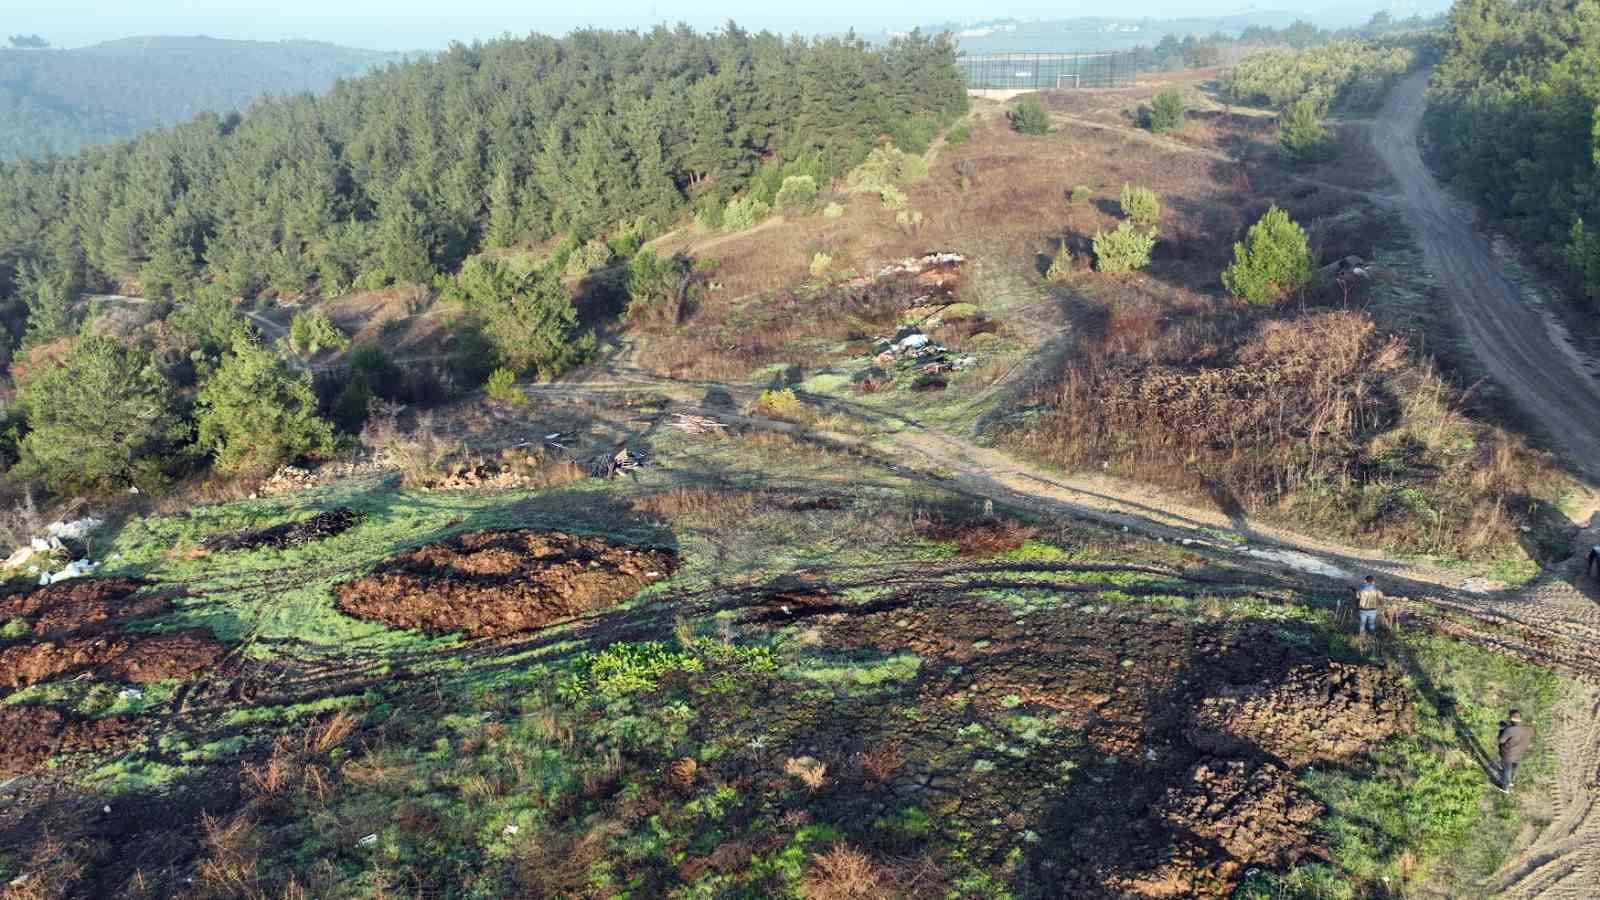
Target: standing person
x=1368 y=599
x=1516 y=739
x=1592 y=567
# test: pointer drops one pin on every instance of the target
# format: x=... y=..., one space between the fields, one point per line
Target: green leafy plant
x=1082 y=193
x=658 y=287
x=104 y=414
x=312 y=332
x=958 y=136
x=527 y=316
x=833 y=211
x=796 y=195
x=1061 y=265
x=1273 y=260
x=820 y=264
x=1139 y=205
x=742 y=213
x=1123 y=250
x=254 y=414
x=1029 y=116
x=1301 y=135
x=502 y=388
x=1166 y=110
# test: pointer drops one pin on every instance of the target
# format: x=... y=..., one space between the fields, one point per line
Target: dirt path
x=1519 y=344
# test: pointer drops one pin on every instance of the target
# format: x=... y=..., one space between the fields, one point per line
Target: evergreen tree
x=254 y=414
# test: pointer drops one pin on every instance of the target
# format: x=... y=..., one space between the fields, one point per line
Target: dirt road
x=1519 y=343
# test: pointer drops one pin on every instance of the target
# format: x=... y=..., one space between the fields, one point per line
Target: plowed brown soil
x=31 y=734
x=74 y=629
x=135 y=658
x=492 y=583
x=1190 y=735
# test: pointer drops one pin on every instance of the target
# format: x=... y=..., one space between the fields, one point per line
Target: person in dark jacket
x=1516 y=739
x=1592 y=565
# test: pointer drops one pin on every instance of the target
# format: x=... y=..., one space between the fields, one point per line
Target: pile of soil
x=32 y=734
x=493 y=583
x=76 y=628
x=978 y=537
x=289 y=534
x=1317 y=712
x=1190 y=735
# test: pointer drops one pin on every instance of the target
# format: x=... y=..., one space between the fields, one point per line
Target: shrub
x=958 y=136
x=372 y=366
x=1030 y=116
x=207 y=326
x=658 y=288
x=312 y=332
x=103 y=413
x=884 y=169
x=914 y=134
x=1273 y=260
x=1082 y=193
x=592 y=256
x=502 y=388
x=1166 y=110
x=909 y=220
x=782 y=404
x=1060 y=265
x=797 y=194
x=528 y=317
x=351 y=407
x=254 y=414
x=1301 y=136
x=1123 y=250
x=833 y=211
x=743 y=213
x=1140 y=205
x=820 y=264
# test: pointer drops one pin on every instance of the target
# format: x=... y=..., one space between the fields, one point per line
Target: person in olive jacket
x=1516 y=739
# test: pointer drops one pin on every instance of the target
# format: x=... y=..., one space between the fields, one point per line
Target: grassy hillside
x=62 y=100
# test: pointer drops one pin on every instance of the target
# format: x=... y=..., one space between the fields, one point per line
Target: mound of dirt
x=1253 y=814
x=492 y=583
x=134 y=658
x=30 y=735
x=81 y=606
x=1318 y=711
x=75 y=628
x=289 y=534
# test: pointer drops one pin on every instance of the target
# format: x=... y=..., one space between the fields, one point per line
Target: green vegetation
x=104 y=415
x=658 y=288
x=502 y=388
x=1061 y=265
x=1274 y=260
x=1139 y=205
x=1125 y=249
x=1029 y=116
x=312 y=332
x=1347 y=75
x=797 y=195
x=1301 y=135
x=1082 y=194
x=1166 y=110
x=1511 y=112
x=884 y=172
x=254 y=414
x=527 y=316
x=405 y=173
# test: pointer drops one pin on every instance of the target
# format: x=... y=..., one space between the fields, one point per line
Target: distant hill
x=65 y=99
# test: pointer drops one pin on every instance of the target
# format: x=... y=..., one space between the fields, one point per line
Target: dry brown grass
x=1319 y=417
x=698 y=505
x=880 y=764
x=229 y=866
x=419 y=453
x=845 y=873
x=977 y=538
x=808 y=770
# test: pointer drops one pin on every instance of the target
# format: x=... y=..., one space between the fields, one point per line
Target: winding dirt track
x=1520 y=349
x=1512 y=336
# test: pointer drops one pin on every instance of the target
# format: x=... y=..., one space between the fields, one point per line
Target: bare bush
x=845 y=873
x=810 y=771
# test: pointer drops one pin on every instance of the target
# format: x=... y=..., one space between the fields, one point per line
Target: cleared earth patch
x=29 y=735
x=500 y=582
x=74 y=629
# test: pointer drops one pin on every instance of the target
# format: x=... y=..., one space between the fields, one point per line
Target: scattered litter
x=965 y=362
x=511 y=829
x=553 y=437
x=621 y=461
x=912 y=343
x=367 y=841
x=75 y=569
x=106 y=809
x=652 y=574
x=130 y=694
x=20 y=558
x=1477 y=585
x=696 y=424
x=75 y=530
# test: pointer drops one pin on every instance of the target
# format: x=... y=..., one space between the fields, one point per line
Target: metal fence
x=1042 y=70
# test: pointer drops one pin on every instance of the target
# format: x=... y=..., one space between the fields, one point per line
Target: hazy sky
x=431 y=24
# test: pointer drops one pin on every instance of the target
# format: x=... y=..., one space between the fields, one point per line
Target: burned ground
x=495 y=583
x=287 y=534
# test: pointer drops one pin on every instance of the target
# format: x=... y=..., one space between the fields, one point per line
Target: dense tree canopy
x=1513 y=114
x=400 y=174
